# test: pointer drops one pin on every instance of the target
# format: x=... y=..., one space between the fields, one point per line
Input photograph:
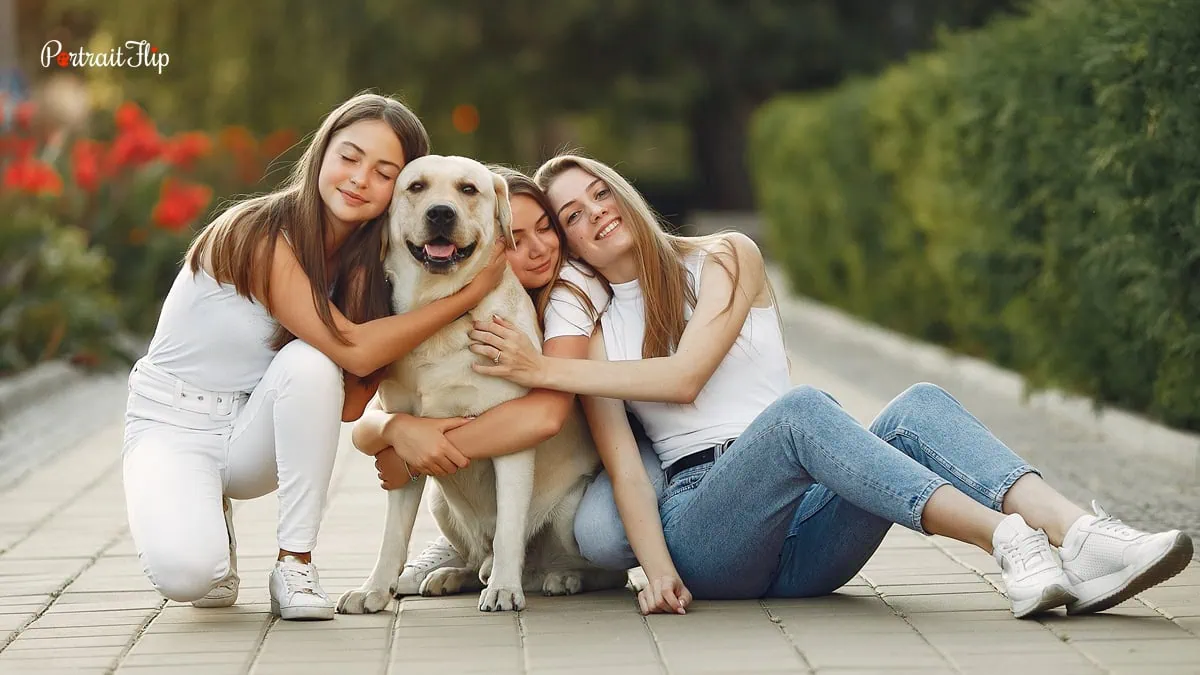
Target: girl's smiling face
x=359 y=171
x=588 y=211
x=535 y=258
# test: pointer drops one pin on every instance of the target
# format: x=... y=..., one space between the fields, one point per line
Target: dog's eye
x=416 y=186
x=468 y=189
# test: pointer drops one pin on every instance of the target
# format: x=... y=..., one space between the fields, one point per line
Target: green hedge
x=1029 y=193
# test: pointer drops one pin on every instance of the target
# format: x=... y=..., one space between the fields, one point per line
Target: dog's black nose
x=440 y=216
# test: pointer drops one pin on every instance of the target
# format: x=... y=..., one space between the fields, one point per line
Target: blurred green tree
x=703 y=65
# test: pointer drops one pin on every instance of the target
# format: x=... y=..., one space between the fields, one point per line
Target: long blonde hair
x=239 y=243
x=667 y=286
x=521 y=184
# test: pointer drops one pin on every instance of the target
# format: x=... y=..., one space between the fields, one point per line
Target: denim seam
x=918 y=508
x=797 y=523
x=934 y=455
x=1009 y=481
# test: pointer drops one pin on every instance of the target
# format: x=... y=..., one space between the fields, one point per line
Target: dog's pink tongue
x=440 y=250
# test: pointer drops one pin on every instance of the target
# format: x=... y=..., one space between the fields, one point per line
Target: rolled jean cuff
x=918 y=506
x=1009 y=481
x=297 y=546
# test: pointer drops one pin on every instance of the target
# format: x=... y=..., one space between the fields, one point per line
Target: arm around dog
x=373 y=344
x=721 y=311
x=523 y=422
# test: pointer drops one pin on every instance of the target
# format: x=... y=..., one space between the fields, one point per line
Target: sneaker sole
x=209 y=603
x=302 y=613
x=219 y=601
x=1052 y=596
x=1173 y=561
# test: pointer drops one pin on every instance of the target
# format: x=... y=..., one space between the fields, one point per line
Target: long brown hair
x=521 y=184
x=666 y=283
x=240 y=242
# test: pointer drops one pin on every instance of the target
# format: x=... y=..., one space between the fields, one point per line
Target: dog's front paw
x=501 y=599
x=364 y=600
x=562 y=582
x=446 y=581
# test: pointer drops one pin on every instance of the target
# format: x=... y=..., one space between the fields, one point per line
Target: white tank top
x=753 y=374
x=210 y=337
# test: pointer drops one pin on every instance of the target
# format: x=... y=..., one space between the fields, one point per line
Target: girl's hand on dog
x=489 y=278
x=510 y=352
x=392 y=473
x=421 y=442
x=664 y=594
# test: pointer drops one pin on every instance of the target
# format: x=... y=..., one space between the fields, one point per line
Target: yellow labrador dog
x=446 y=215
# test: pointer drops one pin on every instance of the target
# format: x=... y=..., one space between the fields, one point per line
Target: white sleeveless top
x=210 y=337
x=753 y=374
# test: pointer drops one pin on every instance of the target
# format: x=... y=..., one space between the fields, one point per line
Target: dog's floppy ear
x=503 y=210
x=384 y=237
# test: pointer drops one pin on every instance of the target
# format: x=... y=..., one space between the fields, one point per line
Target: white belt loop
x=179 y=395
x=721 y=447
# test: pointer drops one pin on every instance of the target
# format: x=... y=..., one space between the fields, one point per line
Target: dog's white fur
x=494 y=512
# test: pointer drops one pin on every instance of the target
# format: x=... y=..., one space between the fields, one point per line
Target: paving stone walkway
x=73 y=598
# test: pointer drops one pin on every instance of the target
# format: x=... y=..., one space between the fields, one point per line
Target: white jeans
x=185 y=448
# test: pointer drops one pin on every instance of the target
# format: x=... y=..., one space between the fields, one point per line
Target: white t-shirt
x=566 y=313
x=752 y=376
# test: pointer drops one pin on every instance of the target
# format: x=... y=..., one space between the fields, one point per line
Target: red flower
x=32 y=176
x=184 y=149
x=134 y=147
x=130 y=116
x=179 y=204
x=85 y=160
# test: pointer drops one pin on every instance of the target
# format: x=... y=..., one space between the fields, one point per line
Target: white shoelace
x=298 y=578
x=1029 y=549
x=1115 y=526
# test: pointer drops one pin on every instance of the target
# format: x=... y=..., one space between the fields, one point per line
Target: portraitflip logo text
x=134 y=54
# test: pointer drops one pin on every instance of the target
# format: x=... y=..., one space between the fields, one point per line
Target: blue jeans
x=801 y=500
x=598 y=528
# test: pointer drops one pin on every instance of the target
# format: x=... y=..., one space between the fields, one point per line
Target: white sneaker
x=225 y=593
x=296 y=592
x=1107 y=562
x=436 y=555
x=1033 y=579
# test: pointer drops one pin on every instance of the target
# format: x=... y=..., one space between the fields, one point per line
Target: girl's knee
x=304 y=363
x=924 y=394
x=920 y=399
x=186 y=577
x=807 y=396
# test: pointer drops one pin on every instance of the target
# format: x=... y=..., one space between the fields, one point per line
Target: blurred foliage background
x=1028 y=193
x=1016 y=179
x=665 y=87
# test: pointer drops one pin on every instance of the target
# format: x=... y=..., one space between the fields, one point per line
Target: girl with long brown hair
x=274 y=332
x=774 y=490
